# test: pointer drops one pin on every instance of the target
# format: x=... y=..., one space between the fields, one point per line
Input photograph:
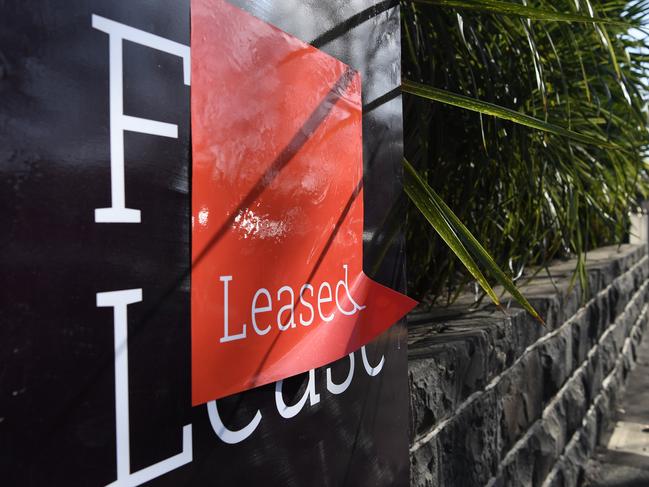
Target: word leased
x=311 y=301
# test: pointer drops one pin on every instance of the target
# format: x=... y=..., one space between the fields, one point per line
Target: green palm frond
x=529 y=119
x=516 y=9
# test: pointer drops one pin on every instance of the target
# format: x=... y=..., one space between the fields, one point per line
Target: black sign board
x=78 y=282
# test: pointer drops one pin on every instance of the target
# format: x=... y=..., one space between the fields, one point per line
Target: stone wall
x=500 y=400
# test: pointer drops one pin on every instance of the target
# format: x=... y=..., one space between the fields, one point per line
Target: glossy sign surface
x=277 y=207
x=61 y=400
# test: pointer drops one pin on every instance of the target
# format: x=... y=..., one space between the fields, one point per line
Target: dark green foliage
x=528 y=195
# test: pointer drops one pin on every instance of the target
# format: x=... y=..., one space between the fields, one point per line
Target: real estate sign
x=189 y=228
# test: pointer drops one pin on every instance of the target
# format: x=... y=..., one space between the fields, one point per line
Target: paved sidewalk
x=624 y=461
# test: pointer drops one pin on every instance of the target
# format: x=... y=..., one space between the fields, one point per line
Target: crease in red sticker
x=277 y=207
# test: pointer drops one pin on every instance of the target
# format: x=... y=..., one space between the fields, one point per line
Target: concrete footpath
x=623 y=457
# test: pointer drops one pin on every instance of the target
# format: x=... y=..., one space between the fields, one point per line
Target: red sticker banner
x=277 y=207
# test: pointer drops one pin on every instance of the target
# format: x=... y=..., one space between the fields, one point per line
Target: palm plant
x=530 y=121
